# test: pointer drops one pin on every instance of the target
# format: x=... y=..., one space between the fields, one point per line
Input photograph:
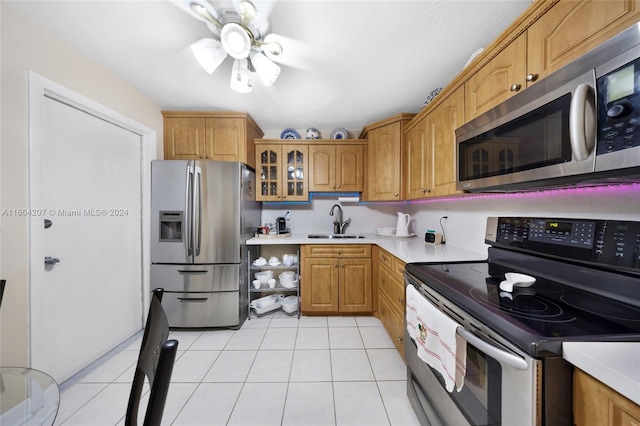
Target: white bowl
x=290 y=304
x=288 y=275
x=289 y=284
x=264 y=276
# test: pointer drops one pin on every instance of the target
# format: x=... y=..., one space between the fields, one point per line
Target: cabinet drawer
x=385 y=259
x=398 y=269
x=336 y=250
x=393 y=288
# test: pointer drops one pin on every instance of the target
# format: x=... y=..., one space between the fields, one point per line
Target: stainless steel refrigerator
x=202 y=214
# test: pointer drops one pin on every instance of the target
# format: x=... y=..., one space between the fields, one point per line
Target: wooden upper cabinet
x=497 y=81
x=571 y=28
x=441 y=125
x=385 y=163
x=281 y=172
x=222 y=136
x=418 y=163
x=184 y=138
x=336 y=167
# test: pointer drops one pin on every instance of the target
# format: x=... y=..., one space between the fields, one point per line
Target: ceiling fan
x=239 y=32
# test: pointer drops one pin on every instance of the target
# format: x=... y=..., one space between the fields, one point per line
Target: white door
x=90 y=190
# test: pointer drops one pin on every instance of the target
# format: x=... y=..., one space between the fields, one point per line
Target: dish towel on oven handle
x=439 y=345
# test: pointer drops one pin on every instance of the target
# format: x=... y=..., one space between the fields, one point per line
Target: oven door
x=493 y=393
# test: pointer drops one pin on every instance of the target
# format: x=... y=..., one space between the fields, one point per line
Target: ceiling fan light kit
x=209 y=53
x=238 y=38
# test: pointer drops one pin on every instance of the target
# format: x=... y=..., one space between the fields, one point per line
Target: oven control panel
x=612 y=243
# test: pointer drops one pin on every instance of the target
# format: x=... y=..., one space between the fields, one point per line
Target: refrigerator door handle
x=192 y=299
x=197 y=208
x=194 y=272
x=188 y=210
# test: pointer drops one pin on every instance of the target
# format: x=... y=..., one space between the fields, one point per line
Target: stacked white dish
x=264 y=276
x=267 y=303
x=290 y=304
x=288 y=279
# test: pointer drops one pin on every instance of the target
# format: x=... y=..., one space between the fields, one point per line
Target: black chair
x=157 y=355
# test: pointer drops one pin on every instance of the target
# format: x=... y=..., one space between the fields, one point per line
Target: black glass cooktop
x=541 y=316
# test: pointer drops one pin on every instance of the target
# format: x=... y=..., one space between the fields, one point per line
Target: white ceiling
x=345 y=63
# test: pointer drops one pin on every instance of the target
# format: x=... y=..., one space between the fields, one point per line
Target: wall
x=26 y=46
x=467 y=214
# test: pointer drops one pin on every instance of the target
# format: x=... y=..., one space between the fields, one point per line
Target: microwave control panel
x=619 y=108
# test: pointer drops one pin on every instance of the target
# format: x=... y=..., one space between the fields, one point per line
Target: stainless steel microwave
x=578 y=126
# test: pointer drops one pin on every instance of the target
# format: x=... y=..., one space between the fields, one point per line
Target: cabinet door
x=497 y=81
x=224 y=139
x=594 y=403
x=418 y=161
x=571 y=28
x=355 y=285
x=393 y=322
x=319 y=285
x=322 y=168
x=184 y=138
x=268 y=174
x=294 y=173
x=349 y=169
x=442 y=122
x=384 y=163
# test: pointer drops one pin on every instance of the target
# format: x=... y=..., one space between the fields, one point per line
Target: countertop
x=616 y=364
x=411 y=249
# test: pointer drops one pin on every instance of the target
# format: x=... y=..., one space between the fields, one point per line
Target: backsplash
x=467 y=214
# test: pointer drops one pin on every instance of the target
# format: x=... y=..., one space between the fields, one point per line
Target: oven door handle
x=498 y=354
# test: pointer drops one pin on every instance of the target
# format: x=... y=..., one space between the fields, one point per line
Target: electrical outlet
x=447 y=213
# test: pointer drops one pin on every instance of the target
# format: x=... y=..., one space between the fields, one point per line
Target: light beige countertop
x=616 y=364
x=412 y=249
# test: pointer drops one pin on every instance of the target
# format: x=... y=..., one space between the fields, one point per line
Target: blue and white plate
x=339 y=133
x=289 y=134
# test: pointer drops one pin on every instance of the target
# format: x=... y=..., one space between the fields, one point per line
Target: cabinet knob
x=401 y=300
x=201 y=156
x=333 y=187
x=395 y=194
x=515 y=87
x=336 y=265
x=426 y=190
x=531 y=77
x=206 y=156
x=284 y=196
x=401 y=270
x=382 y=280
x=339 y=186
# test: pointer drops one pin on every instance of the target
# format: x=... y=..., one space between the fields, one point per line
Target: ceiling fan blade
x=246 y=10
x=201 y=10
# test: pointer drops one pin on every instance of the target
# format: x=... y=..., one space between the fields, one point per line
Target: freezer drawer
x=203 y=309
x=188 y=278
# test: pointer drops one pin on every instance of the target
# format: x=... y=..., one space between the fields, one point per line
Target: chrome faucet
x=338 y=224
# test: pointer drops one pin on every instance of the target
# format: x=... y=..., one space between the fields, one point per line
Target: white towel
x=439 y=345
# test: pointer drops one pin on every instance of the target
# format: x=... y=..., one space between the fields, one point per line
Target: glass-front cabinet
x=282 y=172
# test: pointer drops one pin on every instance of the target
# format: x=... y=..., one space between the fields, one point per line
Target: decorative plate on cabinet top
x=340 y=133
x=432 y=95
x=290 y=134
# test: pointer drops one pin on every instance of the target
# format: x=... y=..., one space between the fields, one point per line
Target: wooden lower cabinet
x=391 y=295
x=594 y=403
x=336 y=278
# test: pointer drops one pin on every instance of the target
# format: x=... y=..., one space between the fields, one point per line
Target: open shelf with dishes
x=274 y=281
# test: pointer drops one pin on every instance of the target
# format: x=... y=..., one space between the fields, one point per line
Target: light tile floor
x=275 y=370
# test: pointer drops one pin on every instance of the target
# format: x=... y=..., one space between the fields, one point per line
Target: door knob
x=48 y=260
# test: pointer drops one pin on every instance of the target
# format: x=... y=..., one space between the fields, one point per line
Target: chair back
x=155 y=362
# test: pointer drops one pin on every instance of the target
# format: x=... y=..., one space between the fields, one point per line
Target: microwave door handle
x=188 y=212
x=498 y=354
x=581 y=122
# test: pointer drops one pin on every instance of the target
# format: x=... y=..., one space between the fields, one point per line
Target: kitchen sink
x=336 y=236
